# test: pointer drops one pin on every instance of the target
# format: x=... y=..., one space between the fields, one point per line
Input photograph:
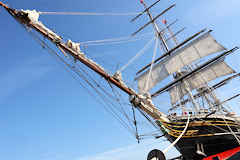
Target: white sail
x=197 y=49
x=158 y=74
x=196 y=81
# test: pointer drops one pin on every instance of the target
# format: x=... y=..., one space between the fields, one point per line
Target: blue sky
x=46 y=115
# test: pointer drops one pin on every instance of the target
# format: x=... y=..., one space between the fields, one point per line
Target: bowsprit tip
x=3 y=5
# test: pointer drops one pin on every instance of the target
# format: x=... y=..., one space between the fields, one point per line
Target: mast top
x=164 y=21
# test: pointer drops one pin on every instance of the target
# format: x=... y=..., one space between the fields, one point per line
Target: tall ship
x=198 y=123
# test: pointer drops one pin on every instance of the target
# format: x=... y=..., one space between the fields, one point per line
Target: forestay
x=195 y=50
x=196 y=81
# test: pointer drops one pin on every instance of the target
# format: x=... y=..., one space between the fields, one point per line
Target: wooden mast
x=136 y=100
x=155 y=26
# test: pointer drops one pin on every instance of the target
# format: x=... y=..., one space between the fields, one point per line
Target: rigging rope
x=89 y=13
x=137 y=55
x=230 y=129
x=153 y=59
x=119 y=101
x=149 y=119
x=135 y=124
x=115 y=40
x=105 y=99
x=106 y=103
x=113 y=43
x=176 y=141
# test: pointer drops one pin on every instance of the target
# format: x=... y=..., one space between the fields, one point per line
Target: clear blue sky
x=46 y=115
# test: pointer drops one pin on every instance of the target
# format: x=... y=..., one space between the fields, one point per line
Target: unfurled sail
x=197 y=49
x=199 y=79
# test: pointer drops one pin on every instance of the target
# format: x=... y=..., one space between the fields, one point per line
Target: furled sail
x=196 y=81
x=197 y=49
